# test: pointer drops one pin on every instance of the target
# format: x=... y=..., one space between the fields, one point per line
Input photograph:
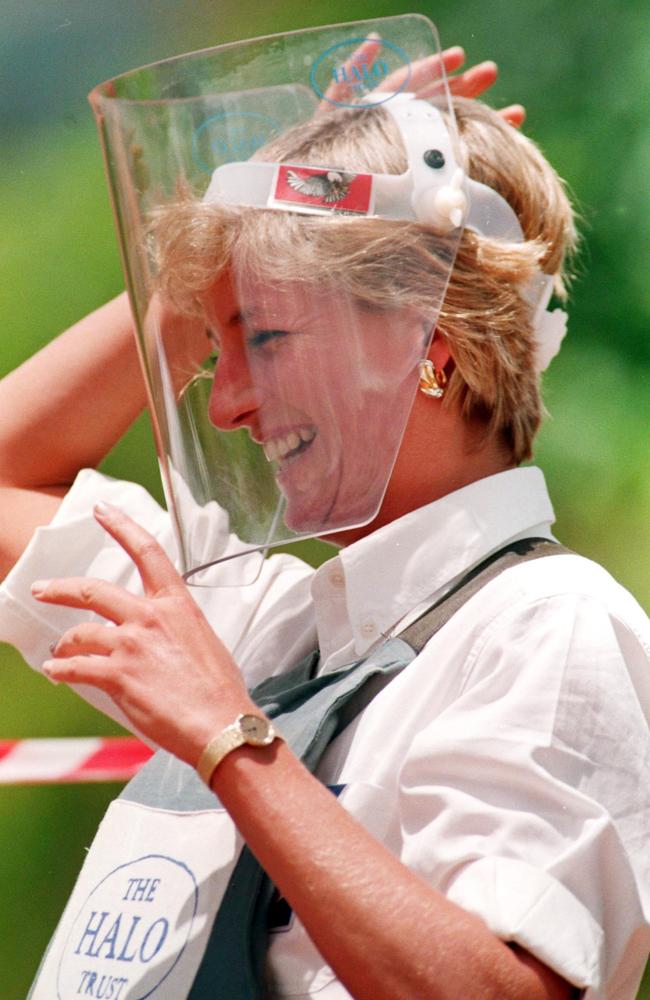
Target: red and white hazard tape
x=60 y=761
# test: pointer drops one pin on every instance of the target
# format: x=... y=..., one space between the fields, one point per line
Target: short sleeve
x=527 y=802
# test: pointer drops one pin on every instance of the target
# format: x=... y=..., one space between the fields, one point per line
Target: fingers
x=95 y=670
x=156 y=570
x=514 y=114
x=88 y=638
x=86 y=654
x=453 y=58
x=426 y=72
x=474 y=81
x=424 y=80
x=105 y=599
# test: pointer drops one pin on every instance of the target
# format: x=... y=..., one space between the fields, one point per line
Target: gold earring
x=432 y=380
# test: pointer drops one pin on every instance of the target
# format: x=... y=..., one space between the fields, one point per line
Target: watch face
x=256 y=730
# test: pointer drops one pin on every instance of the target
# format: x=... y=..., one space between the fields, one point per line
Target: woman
x=484 y=796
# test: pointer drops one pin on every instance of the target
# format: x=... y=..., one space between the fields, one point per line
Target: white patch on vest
x=139 y=917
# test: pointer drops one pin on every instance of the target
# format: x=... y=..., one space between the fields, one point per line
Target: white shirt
x=507 y=765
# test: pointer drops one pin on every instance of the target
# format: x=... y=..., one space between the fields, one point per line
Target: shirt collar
x=376 y=581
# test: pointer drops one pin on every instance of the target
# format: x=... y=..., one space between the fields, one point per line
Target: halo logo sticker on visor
x=341 y=77
x=323 y=189
x=231 y=136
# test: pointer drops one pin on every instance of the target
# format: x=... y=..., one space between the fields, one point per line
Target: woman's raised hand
x=159 y=660
x=425 y=79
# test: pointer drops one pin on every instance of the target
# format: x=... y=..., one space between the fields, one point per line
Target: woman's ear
x=439 y=352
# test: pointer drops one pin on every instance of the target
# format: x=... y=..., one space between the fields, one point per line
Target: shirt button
x=368 y=629
x=336 y=578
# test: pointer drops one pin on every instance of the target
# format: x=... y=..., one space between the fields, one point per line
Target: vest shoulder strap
x=419 y=632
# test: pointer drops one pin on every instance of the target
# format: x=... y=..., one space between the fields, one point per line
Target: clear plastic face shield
x=275 y=199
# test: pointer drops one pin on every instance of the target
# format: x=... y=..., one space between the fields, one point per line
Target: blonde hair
x=394 y=264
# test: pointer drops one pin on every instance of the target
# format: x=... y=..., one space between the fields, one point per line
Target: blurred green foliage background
x=584 y=75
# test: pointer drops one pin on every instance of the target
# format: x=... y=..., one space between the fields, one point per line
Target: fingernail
x=102 y=508
x=52 y=646
x=47 y=671
x=38 y=587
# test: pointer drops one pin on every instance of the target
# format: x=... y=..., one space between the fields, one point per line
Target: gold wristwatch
x=254 y=730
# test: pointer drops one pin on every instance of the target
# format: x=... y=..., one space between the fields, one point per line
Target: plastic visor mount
x=433 y=190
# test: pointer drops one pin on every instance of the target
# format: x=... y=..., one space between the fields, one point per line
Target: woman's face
x=323 y=385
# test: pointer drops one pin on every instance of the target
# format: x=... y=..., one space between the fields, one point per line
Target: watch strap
x=229 y=739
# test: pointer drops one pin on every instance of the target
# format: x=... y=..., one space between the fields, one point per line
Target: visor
x=289 y=214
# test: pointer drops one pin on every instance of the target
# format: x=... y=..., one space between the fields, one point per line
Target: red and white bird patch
x=323 y=189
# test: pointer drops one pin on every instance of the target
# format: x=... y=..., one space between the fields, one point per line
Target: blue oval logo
x=342 y=80
x=231 y=136
x=131 y=931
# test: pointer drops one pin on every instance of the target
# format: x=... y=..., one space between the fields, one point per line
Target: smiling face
x=323 y=385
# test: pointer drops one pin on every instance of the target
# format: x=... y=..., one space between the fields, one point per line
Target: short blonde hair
x=393 y=264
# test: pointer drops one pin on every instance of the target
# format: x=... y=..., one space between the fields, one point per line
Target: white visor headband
x=434 y=190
